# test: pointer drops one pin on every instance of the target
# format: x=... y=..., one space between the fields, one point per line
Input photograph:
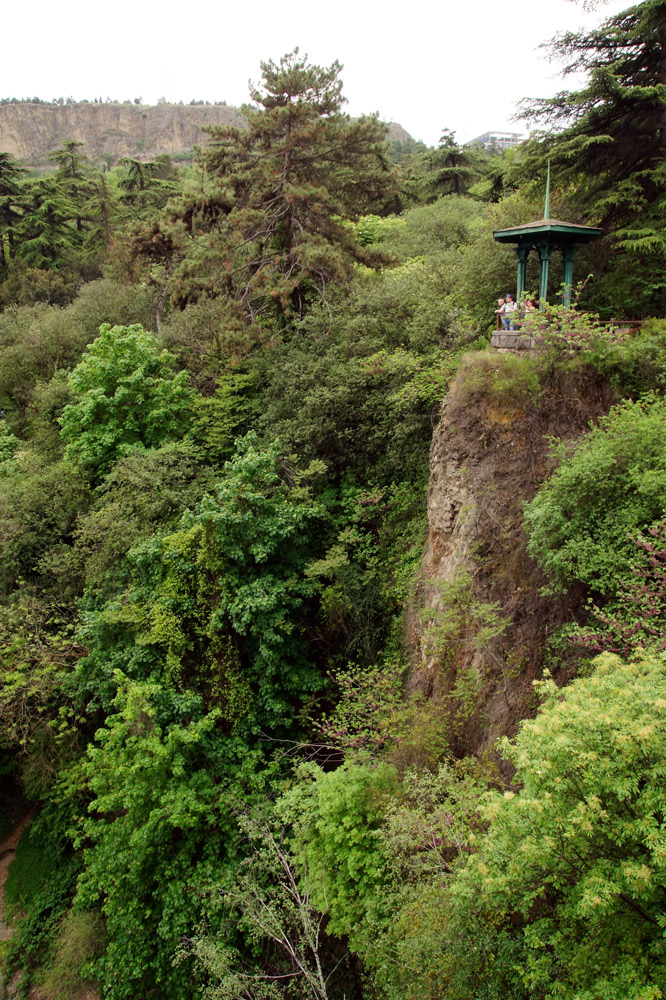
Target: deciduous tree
x=128 y=396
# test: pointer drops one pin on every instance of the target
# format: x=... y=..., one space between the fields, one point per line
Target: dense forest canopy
x=246 y=716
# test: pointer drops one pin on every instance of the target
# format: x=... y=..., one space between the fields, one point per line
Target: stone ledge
x=513 y=342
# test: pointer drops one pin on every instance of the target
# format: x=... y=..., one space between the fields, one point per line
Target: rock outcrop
x=109 y=131
x=29 y=132
x=479 y=625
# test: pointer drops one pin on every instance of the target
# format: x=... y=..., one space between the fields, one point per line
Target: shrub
x=611 y=485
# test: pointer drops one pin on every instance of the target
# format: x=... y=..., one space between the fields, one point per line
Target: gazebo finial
x=546 y=207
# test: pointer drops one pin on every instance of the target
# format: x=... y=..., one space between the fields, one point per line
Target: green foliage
x=46 y=235
x=79 y=940
x=486 y=269
x=127 y=396
x=9 y=445
x=39 y=505
x=419 y=949
x=282 y=187
x=269 y=903
x=147 y=185
x=430 y=231
x=37 y=341
x=365 y=411
x=145 y=492
x=577 y=855
x=504 y=382
x=29 y=286
x=39 y=886
x=373 y=229
x=106 y=301
x=370 y=711
x=215 y=605
x=451 y=169
x=338 y=816
x=565 y=331
x=636 y=618
x=221 y=419
x=612 y=484
x=365 y=572
x=37 y=650
x=207 y=342
x=159 y=826
x=633 y=364
x=34 y=343
x=10 y=174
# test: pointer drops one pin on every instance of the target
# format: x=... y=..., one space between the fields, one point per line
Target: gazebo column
x=568 y=255
x=522 y=253
x=545 y=253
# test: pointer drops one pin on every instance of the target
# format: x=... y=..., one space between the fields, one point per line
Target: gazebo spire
x=546 y=207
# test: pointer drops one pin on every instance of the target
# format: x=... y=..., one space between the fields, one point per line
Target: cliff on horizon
x=30 y=131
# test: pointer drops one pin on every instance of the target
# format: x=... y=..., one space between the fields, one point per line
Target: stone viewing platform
x=505 y=340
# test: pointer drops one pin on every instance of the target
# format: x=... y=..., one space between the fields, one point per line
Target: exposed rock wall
x=31 y=131
x=489 y=455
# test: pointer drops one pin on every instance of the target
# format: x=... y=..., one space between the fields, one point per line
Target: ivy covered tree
x=219 y=605
x=284 y=187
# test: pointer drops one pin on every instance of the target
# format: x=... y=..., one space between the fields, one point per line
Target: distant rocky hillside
x=30 y=132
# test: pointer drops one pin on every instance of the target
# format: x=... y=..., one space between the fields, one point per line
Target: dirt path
x=7 y=852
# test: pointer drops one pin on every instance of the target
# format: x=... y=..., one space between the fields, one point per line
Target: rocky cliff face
x=109 y=131
x=479 y=625
x=30 y=132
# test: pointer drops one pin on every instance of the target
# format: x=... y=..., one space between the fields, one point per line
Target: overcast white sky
x=458 y=64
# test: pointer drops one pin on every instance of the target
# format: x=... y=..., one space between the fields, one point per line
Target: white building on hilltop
x=498 y=140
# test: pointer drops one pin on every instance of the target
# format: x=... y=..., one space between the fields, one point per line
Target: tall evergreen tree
x=607 y=141
x=284 y=186
x=10 y=173
x=147 y=185
x=46 y=233
x=451 y=168
x=607 y=144
x=74 y=177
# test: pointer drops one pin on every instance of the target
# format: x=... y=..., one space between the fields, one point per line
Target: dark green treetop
x=607 y=140
x=284 y=186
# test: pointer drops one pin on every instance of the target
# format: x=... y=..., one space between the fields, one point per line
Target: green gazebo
x=546 y=235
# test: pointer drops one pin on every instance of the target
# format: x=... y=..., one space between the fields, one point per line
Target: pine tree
x=46 y=234
x=10 y=174
x=283 y=188
x=607 y=141
x=452 y=169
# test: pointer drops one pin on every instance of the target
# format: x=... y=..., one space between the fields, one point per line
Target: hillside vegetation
x=332 y=639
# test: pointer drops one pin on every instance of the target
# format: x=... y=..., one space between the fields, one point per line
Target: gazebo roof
x=547 y=231
x=552 y=231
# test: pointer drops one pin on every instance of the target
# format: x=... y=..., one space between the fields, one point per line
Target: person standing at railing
x=499 y=312
x=508 y=313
